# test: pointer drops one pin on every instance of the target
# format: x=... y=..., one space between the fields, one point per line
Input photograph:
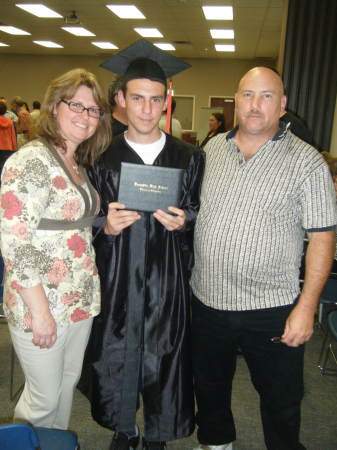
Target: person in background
x=295 y=123
x=263 y=189
x=298 y=127
x=176 y=127
x=35 y=114
x=24 y=123
x=216 y=125
x=10 y=114
x=7 y=136
x=119 y=120
x=51 y=285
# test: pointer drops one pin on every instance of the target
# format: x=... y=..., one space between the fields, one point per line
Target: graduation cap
x=142 y=59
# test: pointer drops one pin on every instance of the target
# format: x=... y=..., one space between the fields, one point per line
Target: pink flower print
x=10 y=300
x=77 y=245
x=27 y=320
x=9 y=175
x=59 y=182
x=88 y=263
x=70 y=208
x=20 y=230
x=79 y=315
x=11 y=204
x=58 y=271
x=72 y=297
x=16 y=286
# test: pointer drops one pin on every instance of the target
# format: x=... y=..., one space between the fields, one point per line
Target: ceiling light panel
x=105 y=45
x=126 y=11
x=78 y=31
x=225 y=47
x=49 y=44
x=222 y=34
x=39 y=10
x=148 y=32
x=164 y=46
x=218 y=12
x=13 y=30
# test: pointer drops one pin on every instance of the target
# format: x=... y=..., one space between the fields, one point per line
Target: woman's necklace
x=70 y=164
x=76 y=169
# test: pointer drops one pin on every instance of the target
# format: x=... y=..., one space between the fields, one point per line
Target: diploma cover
x=148 y=188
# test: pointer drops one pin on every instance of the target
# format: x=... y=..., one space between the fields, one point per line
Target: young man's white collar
x=148 y=152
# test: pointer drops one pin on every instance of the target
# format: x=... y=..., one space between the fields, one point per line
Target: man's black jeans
x=276 y=371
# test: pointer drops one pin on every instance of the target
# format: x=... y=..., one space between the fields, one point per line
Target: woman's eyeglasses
x=96 y=113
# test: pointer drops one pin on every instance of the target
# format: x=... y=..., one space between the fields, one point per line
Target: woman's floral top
x=46 y=236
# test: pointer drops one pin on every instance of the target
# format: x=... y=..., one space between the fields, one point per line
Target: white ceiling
x=257 y=27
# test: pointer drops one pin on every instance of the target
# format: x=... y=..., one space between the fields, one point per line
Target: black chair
x=328 y=299
x=327 y=350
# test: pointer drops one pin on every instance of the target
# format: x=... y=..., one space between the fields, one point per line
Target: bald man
x=263 y=189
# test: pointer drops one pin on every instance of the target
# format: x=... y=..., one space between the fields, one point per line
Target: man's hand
x=170 y=222
x=44 y=330
x=299 y=326
x=119 y=218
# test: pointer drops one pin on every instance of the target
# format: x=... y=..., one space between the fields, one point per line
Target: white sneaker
x=228 y=446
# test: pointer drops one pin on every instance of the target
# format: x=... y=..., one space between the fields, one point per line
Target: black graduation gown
x=141 y=339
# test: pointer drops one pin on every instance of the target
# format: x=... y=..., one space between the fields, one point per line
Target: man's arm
x=319 y=256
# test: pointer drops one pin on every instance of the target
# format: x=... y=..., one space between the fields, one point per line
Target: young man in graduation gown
x=140 y=342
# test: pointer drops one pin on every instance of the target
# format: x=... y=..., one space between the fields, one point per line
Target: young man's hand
x=170 y=222
x=119 y=218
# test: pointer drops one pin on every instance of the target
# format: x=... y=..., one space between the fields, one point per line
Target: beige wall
x=29 y=75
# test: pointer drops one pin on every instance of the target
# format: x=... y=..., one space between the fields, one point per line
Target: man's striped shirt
x=253 y=216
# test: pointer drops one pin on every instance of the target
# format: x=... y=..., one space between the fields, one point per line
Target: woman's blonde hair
x=64 y=88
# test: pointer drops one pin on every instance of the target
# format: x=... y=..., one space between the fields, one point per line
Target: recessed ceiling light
x=126 y=11
x=39 y=10
x=2 y=44
x=78 y=31
x=218 y=12
x=222 y=34
x=225 y=47
x=49 y=44
x=105 y=45
x=13 y=30
x=164 y=46
x=148 y=32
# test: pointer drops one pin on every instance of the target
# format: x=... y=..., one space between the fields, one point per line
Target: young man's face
x=144 y=102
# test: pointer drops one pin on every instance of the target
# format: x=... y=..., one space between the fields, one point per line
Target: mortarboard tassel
x=168 y=125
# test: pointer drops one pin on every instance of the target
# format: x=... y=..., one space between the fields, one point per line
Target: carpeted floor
x=319 y=411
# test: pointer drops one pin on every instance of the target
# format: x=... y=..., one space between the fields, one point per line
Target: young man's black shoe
x=121 y=441
x=154 y=445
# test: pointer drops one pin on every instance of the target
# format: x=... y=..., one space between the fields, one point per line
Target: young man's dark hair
x=36 y=104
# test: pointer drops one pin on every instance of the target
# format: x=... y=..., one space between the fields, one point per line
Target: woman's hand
x=42 y=323
x=44 y=330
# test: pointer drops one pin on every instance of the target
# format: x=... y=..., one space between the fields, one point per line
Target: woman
x=24 y=123
x=51 y=288
x=216 y=125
